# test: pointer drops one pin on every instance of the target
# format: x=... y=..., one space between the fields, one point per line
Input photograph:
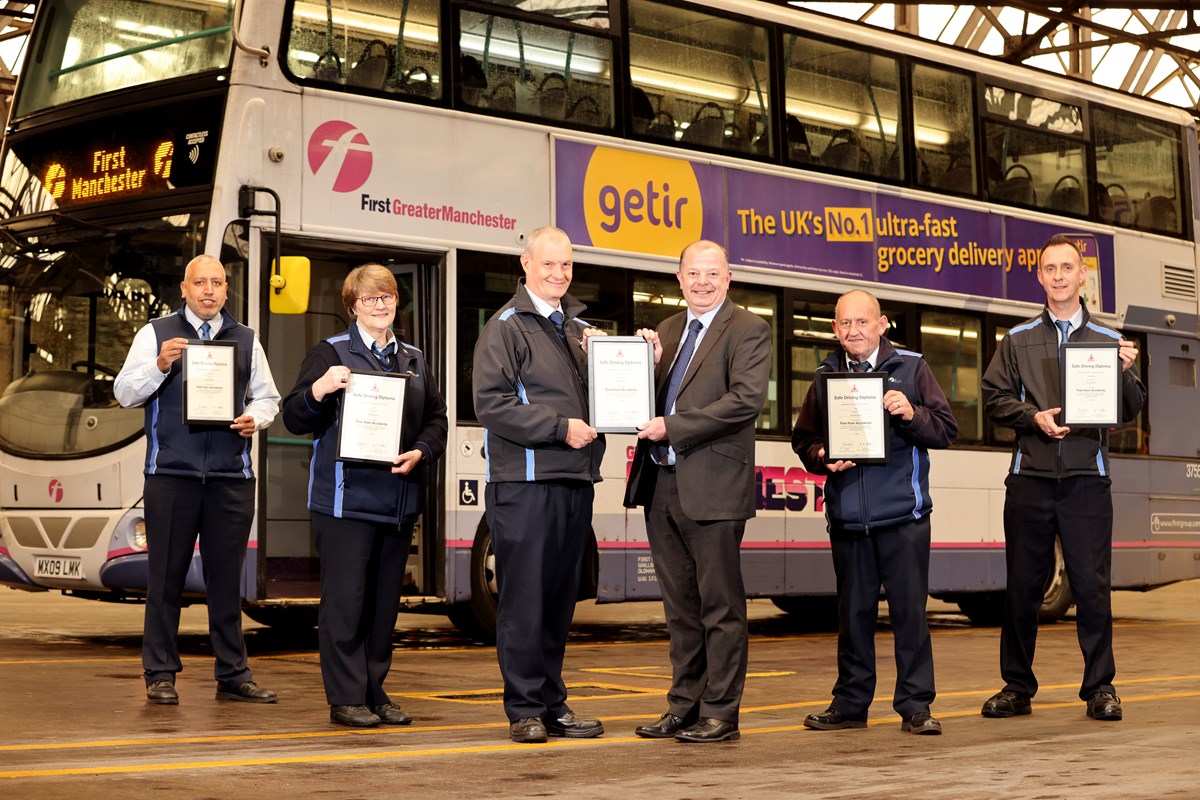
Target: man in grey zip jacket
x=1058 y=484
x=543 y=457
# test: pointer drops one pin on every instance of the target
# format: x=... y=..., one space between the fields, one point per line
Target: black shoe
x=248 y=692
x=163 y=693
x=1104 y=706
x=391 y=714
x=667 y=726
x=922 y=723
x=709 y=730
x=1007 y=704
x=354 y=716
x=573 y=726
x=832 y=720
x=527 y=730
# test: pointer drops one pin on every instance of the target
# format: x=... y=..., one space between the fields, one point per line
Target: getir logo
x=641 y=203
x=338 y=148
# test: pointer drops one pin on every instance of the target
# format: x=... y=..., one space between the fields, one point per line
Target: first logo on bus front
x=351 y=153
x=55 y=490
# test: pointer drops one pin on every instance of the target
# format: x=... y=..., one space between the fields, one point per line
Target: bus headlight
x=137 y=536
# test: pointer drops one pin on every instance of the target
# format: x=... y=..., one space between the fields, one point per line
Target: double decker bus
x=297 y=139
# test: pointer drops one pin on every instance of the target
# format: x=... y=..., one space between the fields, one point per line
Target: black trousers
x=898 y=559
x=539 y=531
x=698 y=565
x=362 y=575
x=219 y=512
x=1080 y=511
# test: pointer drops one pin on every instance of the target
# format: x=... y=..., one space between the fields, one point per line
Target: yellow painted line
x=460 y=750
x=662 y=672
x=489 y=696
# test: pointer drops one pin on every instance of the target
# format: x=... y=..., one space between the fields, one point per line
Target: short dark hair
x=1056 y=240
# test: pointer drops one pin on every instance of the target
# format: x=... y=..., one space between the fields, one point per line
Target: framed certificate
x=856 y=423
x=371 y=417
x=209 y=396
x=1091 y=384
x=620 y=382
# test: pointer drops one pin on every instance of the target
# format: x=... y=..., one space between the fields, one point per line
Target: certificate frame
x=371 y=417
x=210 y=383
x=1091 y=384
x=857 y=427
x=620 y=383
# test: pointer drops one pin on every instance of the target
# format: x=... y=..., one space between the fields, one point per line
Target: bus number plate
x=58 y=567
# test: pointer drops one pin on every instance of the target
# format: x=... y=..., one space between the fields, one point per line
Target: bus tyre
x=987 y=608
x=477 y=616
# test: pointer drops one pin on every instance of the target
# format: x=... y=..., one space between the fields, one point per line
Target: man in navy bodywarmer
x=199 y=482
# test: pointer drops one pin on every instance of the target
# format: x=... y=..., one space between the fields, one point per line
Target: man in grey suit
x=693 y=472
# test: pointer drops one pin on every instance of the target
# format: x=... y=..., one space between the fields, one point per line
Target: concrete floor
x=75 y=722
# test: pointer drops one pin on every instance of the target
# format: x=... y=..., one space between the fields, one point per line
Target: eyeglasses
x=371 y=302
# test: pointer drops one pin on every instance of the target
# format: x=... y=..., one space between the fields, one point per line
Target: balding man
x=198 y=482
x=693 y=472
x=878 y=520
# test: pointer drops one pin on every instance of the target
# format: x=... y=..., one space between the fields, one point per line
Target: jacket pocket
x=731 y=450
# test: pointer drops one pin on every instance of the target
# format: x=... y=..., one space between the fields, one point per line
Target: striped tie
x=205 y=331
x=659 y=450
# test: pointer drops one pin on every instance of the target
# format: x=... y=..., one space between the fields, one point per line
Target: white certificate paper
x=208 y=383
x=1091 y=390
x=371 y=417
x=856 y=423
x=620 y=382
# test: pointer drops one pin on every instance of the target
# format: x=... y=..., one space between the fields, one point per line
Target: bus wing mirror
x=289 y=285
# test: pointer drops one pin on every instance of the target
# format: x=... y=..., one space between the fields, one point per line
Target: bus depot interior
x=736 y=83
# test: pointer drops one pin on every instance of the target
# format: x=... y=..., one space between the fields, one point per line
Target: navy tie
x=384 y=355
x=659 y=450
x=1064 y=325
x=205 y=331
x=557 y=319
x=861 y=366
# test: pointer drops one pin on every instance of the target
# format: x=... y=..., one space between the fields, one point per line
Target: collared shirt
x=544 y=308
x=706 y=319
x=370 y=342
x=872 y=359
x=1075 y=319
x=140 y=377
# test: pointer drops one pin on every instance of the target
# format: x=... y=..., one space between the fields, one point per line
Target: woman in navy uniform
x=363 y=514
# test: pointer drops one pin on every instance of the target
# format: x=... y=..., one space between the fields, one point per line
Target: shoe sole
x=824 y=726
x=349 y=723
x=647 y=734
x=240 y=699
x=1106 y=717
x=732 y=736
x=994 y=714
x=163 y=701
x=386 y=721
x=529 y=739
x=589 y=734
x=921 y=731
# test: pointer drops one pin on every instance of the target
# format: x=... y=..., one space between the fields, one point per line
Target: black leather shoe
x=667 y=726
x=163 y=693
x=832 y=720
x=527 y=730
x=922 y=723
x=573 y=726
x=354 y=716
x=391 y=714
x=248 y=692
x=1104 y=706
x=709 y=730
x=1007 y=704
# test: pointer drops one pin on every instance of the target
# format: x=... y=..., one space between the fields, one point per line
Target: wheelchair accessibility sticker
x=468 y=493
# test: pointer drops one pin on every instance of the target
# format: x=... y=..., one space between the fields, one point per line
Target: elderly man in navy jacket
x=878 y=517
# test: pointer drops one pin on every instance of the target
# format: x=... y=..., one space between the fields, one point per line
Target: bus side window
x=952 y=345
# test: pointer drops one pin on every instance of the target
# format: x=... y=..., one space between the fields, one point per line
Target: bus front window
x=69 y=317
x=89 y=47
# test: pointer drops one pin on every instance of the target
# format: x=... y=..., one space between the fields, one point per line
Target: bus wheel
x=816 y=613
x=477 y=616
x=298 y=618
x=987 y=608
x=1058 y=598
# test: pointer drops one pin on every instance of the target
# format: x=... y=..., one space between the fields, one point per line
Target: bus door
x=287 y=564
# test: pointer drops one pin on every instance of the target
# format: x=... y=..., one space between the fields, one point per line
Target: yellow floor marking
x=459 y=750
